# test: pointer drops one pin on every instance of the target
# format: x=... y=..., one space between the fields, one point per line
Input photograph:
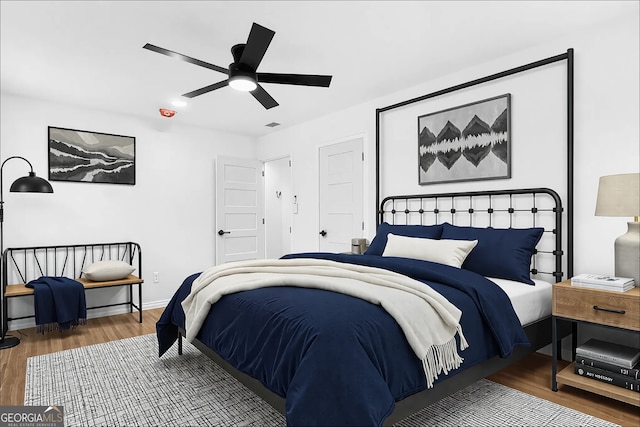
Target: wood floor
x=532 y=375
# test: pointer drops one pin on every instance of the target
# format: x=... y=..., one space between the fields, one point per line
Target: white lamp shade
x=618 y=195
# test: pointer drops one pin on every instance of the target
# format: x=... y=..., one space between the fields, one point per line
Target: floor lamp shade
x=26 y=184
x=619 y=195
x=31 y=184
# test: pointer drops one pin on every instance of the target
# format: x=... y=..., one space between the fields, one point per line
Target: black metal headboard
x=519 y=208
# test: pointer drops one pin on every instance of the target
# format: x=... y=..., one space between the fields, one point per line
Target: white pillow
x=103 y=271
x=449 y=252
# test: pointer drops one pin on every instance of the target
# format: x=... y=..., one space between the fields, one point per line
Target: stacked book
x=607 y=283
x=611 y=363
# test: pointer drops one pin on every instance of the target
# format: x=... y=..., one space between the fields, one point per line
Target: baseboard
x=15 y=325
x=156 y=304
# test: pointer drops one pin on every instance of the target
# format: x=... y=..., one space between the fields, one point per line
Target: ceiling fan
x=242 y=72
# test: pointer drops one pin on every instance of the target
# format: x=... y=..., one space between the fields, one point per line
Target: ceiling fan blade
x=185 y=58
x=264 y=98
x=295 y=79
x=206 y=89
x=257 y=44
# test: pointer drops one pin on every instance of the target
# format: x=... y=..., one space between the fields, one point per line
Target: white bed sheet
x=530 y=303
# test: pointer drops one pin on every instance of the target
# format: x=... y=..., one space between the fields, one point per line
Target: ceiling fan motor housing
x=242 y=77
x=241 y=70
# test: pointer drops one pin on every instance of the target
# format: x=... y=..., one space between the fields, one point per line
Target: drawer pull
x=608 y=310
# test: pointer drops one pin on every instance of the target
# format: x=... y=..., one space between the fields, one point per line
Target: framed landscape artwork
x=83 y=156
x=466 y=143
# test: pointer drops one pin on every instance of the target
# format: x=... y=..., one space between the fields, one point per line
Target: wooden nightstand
x=619 y=310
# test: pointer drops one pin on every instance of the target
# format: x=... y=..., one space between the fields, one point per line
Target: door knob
x=221 y=232
x=323 y=233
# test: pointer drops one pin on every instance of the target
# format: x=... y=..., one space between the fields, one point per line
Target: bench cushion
x=108 y=270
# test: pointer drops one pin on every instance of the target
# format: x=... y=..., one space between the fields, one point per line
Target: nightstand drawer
x=619 y=309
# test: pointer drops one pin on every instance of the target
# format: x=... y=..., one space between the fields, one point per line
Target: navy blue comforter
x=339 y=360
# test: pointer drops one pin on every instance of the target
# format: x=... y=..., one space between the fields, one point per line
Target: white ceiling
x=89 y=53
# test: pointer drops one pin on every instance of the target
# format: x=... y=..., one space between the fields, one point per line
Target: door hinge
x=289 y=230
x=289 y=163
x=363 y=156
x=262 y=220
x=362 y=225
x=262 y=173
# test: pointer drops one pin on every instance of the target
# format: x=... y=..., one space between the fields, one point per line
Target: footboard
x=21 y=265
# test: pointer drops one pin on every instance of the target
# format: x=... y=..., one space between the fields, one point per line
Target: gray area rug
x=125 y=383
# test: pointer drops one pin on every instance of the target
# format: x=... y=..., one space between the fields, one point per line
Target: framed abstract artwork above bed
x=84 y=156
x=466 y=143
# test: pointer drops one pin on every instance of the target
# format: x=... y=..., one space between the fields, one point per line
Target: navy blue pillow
x=380 y=241
x=504 y=253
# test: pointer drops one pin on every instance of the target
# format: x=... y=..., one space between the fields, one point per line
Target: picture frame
x=87 y=156
x=466 y=143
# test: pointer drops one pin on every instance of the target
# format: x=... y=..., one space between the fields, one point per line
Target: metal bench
x=21 y=265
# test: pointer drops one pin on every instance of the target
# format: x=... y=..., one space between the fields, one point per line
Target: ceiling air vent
x=272 y=124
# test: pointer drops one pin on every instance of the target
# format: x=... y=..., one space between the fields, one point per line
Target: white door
x=341 y=196
x=239 y=210
x=278 y=200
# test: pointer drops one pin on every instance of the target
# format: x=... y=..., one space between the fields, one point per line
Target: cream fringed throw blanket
x=427 y=319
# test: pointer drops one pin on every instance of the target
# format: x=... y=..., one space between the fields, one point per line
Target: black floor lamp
x=26 y=184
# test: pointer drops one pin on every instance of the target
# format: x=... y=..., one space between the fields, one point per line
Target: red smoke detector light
x=167 y=113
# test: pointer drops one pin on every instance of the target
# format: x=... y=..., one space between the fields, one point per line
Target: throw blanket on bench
x=428 y=320
x=59 y=303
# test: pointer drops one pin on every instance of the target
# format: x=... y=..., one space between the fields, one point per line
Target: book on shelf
x=598 y=281
x=633 y=373
x=607 y=377
x=616 y=354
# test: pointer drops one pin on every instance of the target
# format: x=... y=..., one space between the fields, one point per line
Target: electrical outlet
x=156 y=277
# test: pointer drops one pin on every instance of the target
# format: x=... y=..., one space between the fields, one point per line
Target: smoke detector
x=164 y=112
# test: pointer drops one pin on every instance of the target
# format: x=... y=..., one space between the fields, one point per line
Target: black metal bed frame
x=21 y=265
x=539 y=332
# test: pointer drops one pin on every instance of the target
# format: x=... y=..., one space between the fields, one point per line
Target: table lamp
x=618 y=196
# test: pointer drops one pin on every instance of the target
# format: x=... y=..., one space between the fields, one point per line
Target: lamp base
x=9 y=342
x=627 y=251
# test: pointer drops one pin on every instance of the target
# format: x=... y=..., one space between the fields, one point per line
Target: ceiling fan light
x=243 y=83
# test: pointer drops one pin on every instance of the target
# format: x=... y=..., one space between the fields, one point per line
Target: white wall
x=606 y=134
x=170 y=210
